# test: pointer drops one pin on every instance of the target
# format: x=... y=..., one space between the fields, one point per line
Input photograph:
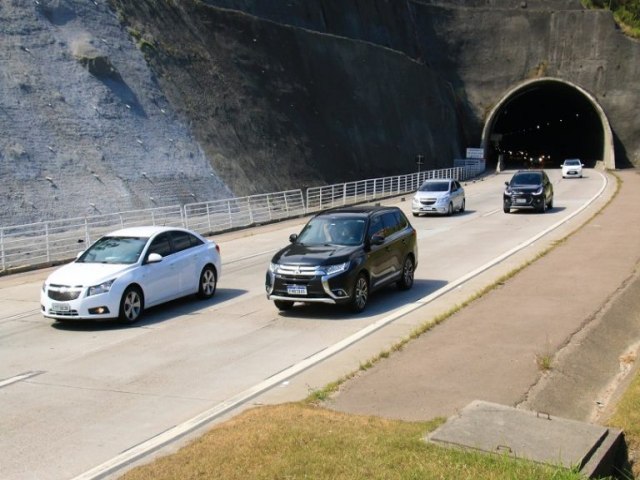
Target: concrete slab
x=539 y=437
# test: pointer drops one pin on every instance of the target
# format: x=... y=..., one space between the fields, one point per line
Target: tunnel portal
x=541 y=123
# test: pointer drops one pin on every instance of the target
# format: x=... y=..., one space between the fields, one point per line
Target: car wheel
x=406 y=280
x=506 y=207
x=462 y=206
x=131 y=305
x=450 y=209
x=283 y=305
x=543 y=208
x=208 y=282
x=551 y=203
x=415 y=214
x=360 y=294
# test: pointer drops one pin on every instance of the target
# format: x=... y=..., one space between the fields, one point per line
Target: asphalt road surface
x=82 y=401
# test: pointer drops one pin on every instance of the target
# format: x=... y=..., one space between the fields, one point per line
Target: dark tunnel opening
x=542 y=124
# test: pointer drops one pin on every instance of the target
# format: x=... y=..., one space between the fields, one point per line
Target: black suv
x=342 y=255
x=528 y=189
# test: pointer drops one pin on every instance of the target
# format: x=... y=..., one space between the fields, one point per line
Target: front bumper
x=104 y=306
x=523 y=201
x=290 y=284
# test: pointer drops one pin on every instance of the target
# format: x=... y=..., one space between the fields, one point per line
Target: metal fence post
x=4 y=265
x=46 y=236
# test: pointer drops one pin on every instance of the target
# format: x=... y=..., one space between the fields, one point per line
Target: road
x=78 y=401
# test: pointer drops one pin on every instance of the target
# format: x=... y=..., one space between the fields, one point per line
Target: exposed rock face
x=82 y=117
x=266 y=96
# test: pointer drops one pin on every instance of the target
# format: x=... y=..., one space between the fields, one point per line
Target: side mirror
x=506 y=183
x=377 y=239
x=154 y=258
x=293 y=237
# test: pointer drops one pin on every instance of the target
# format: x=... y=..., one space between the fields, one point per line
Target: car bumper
x=98 y=307
x=571 y=173
x=524 y=201
x=331 y=289
x=430 y=209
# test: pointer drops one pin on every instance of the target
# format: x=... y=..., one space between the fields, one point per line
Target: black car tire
x=414 y=214
x=450 y=209
x=360 y=294
x=506 y=208
x=551 y=203
x=462 y=207
x=543 y=207
x=283 y=305
x=131 y=305
x=208 y=282
x=406 y=280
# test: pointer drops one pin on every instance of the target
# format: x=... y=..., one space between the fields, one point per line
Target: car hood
x=300 y=254
x=421 y=195
x=525 y=188
x=86 y=274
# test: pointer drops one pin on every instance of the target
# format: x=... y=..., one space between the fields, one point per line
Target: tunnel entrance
x=544 y=121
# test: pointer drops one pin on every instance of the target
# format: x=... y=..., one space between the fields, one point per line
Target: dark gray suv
x=529 y=189
x=342 y=255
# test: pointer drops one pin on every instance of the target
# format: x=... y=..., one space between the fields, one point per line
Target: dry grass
x=301 y=441
x=627 y=418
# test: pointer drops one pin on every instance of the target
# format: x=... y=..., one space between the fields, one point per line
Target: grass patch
x=300 y=441
x=627 y=418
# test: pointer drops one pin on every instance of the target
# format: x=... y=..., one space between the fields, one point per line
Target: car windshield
x=332 y=230
x=527 y=178
x=435 y=187
x=125 y=250
x=572 y=162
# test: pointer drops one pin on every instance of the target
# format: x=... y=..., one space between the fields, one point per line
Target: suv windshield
x=572 y=162
x=331 y=230
x=527 y=178
x=114 y=250
x=435 y=187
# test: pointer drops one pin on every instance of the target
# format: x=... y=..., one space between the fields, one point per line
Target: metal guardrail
x=48 y=243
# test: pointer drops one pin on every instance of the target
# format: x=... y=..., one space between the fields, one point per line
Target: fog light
x=99 y=310
x=340 y=293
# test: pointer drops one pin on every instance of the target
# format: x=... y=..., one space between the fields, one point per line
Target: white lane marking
x=492 y=212
x=207 y=416
x=19 y=378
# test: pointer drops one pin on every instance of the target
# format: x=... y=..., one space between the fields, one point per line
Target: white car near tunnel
x=572 y=167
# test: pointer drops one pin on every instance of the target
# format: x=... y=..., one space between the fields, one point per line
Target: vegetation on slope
x=626 y=13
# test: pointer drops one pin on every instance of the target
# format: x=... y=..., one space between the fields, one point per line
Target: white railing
x=221 y=215
x=331 y=196
x=47 y=243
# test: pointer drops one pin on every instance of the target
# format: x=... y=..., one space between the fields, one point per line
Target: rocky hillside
x=115 y=105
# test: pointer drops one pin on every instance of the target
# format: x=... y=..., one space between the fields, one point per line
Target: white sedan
x=129 y=270
x=572 y=167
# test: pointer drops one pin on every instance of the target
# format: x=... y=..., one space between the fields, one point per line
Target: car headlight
x=415 y=201
x=538 y=191
x=44 y=286
x=333 y=269
x=507 y=191
x=102 y=288
x=273 y=267
x=443 y=200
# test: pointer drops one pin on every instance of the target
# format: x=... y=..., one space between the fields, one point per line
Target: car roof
x=434 y=180
x=143 y=231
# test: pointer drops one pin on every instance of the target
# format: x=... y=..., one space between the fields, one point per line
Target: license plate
x=521 y=200
x=60 y=307
x=296 y=290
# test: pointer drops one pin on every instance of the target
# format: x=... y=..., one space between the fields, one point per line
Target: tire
x=360 y=294
x=450 y=210
x=543 y=207
x=408 y=270
x=462 y=207
x=131 y=305
x=208 y=282
x=283 y=305
x=506 y=208
x=414 y=214
x=550 y=203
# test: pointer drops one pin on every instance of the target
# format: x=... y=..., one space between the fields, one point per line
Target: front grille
x=428 y=201
x=296 y=271
x=63 y=293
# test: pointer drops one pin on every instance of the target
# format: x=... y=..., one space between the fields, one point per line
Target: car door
x=393 y=249
x=159 y=280
x=186 y=262
x=456 y=196
x=377 y=255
